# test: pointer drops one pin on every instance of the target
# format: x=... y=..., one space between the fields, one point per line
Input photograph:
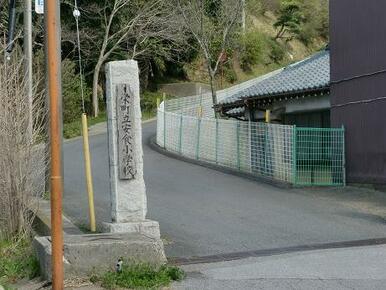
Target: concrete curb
x=42 y=221
x=276 y=251
x=153 y=145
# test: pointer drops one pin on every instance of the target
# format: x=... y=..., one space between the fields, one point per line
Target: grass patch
x=74 y=129
x=17 y=261
x=140 y=277
x=46 y=195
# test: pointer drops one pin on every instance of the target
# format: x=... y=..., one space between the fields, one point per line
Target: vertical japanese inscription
x=126 y=138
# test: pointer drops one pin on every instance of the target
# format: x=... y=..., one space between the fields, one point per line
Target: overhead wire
x=76 y=14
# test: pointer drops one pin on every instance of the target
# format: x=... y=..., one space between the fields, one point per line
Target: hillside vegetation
x=277 y=33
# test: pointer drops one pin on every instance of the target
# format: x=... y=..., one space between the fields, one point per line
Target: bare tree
x=213 y=23
x=134 y=27
x=22 y=160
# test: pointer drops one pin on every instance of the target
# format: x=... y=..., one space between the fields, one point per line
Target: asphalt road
x=205 y=212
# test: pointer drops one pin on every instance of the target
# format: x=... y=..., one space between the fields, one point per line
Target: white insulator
x=76 y=13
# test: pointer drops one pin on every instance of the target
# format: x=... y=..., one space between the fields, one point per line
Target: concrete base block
x=148 y=228
x=85 y=255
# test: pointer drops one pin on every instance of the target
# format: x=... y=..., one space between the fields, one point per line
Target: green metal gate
x=319 y=156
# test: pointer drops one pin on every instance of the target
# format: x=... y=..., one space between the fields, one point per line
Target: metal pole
x=344 y=155
x=200 y=109
x=238 y=145
x=54 y=90
x=164 y=103
x=198 y=138
x=199 y=126
x=217 y=140
x=250 y=144
x=294 y=155
x=268 y=116
x=28 y=60
x=180 y=139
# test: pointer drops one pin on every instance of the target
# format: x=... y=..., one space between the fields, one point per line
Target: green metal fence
x=319 y=156
x=300 y=156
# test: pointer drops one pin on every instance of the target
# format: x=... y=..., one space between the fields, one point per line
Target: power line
x=359 y=102
x=76 y=14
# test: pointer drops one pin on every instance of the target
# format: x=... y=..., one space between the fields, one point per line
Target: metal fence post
x=164 y=103
x=265 y=170
x=238 y=144
x=344 y=155
x=294 y=157
x=198 y=138
x=201 y=108
x=180 y=140
x=216 y=141
x=250 y=145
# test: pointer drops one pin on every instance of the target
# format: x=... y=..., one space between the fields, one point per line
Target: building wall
x=358 y=85
x=315 y=119
x=283 y=112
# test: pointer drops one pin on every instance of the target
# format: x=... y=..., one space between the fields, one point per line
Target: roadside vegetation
x=140 y=277
x=17 y=261
x=74 y=128
x=22 y=166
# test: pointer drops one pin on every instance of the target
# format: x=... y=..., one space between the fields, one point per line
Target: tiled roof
x=236 y=111
x=310 y=74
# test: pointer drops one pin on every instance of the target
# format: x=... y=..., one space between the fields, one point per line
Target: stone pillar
x=127 y=186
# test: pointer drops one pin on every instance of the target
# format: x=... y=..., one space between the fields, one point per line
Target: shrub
x=149 y=103
x=230 y=74
x=315 y=22
x=252 y=50
x=307 y=34
x=277 y=51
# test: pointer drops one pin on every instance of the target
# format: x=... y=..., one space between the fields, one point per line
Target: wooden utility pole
x=52 y=12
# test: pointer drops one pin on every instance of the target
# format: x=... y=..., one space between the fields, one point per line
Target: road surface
x=205 y=212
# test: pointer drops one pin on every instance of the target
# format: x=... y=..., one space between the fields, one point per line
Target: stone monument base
x=85 y=255
x=147 y=228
